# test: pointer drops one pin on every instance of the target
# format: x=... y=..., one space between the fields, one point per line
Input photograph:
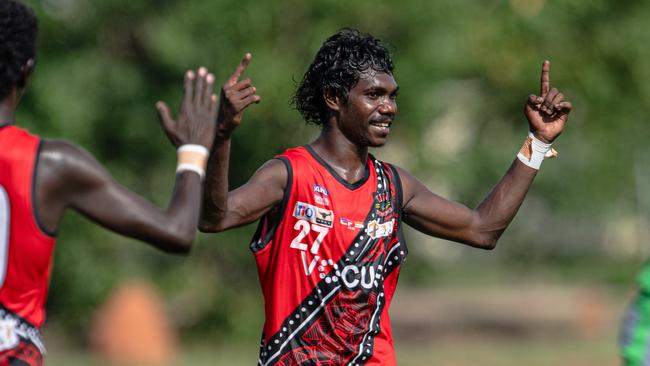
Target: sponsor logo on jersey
x=321 y=190
x=321 y=195
x=354 y=276
x=321 y=200
x=313 y=214
x=351 y=224
x=383 y=205
x=375 y=229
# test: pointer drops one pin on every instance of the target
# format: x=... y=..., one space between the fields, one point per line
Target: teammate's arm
x=251 y=200
x=482 y=227
x=67 y=176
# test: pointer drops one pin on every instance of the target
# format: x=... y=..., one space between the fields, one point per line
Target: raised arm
x=482 y=227
x=236 y=96
x=67 y=176
x=264 y=190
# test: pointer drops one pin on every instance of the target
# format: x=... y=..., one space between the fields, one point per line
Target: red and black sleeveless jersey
x=328 y=260
x=25 y=249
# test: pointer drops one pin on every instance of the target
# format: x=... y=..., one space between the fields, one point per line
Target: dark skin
x=364 y=120
x=236 y=96
x=69 y=177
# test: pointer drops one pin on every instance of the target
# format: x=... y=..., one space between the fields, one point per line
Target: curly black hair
x=337 y=67
x=18 y=31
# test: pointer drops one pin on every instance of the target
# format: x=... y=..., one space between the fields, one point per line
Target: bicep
x=87 y=187
x=264 y=190
x=433 y=214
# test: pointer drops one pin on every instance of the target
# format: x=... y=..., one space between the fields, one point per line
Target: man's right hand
x=236 y=96
x=195 y=123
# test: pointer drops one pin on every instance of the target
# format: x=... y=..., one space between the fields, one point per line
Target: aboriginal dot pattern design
x=337 y=322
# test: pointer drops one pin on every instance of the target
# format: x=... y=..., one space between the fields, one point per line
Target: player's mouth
x=381 y=126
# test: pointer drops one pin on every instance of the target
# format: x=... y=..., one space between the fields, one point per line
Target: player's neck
x=7 y=114
x=347 y=158
x=8 y=109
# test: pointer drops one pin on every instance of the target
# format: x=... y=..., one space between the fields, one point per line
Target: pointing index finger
x=240 y=69
x=546 y=67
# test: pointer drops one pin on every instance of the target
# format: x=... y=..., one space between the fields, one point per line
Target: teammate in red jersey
x=329 y=246
x=40 y=178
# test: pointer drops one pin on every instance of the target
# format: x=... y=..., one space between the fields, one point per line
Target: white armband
x=534 y=151
x=193 y=158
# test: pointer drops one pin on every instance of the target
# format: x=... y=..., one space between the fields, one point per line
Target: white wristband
x=533 y=152
x=193 y=158
x=194 y=148
x=191 y=168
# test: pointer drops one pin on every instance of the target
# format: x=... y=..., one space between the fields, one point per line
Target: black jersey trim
x=400 y=201
x=350 y=186
x=34 y=197
x=258 y=243
x=398 y=186
x=287 y=190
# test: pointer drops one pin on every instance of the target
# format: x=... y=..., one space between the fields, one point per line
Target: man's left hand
x=547 y=113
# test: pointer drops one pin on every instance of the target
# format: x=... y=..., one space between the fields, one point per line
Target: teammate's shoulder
x=64 y=155
x=61 y=149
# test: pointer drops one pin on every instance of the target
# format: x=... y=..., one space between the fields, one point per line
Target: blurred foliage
x=464 y=67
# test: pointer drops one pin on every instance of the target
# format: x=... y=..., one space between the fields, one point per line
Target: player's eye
x=373 y=94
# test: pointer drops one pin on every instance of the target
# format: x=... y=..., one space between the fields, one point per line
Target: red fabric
x=327 y=304
x=24 y=354
x=29 y=250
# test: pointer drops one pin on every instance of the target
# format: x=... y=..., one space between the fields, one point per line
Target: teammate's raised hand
x=236 y=96
x=547 y=113
x=195 y=123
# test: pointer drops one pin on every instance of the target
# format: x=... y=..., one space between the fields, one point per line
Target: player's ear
x=332 y=100
x=25 y=73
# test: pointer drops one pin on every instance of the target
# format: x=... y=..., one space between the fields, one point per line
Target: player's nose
x=388 y=107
